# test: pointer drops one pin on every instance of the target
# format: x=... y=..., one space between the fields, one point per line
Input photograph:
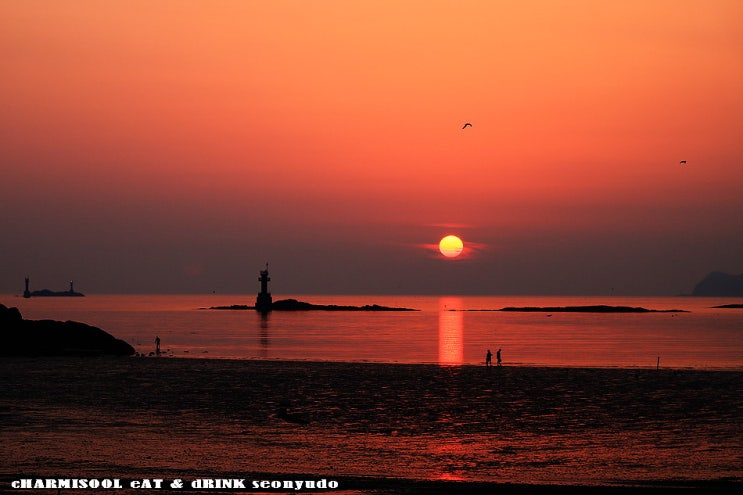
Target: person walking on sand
x=497 y=358
x=157 y=345
x=489 y=358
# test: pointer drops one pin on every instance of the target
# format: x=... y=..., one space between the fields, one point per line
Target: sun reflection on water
x=451 y=331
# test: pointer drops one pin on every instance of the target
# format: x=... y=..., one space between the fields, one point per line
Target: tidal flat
x=375 y=428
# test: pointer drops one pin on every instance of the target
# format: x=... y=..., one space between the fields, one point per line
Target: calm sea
x=701 y=337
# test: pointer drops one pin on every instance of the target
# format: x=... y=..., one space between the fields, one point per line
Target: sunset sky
x=178 y=146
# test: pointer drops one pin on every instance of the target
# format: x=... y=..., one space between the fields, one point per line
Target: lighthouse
x=263 y=302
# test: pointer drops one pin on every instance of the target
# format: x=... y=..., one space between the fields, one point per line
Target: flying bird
x=682 y=162
x=466 y=124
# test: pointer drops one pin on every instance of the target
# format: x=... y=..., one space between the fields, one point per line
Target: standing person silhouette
x=489 y=358
x=157 y=345
x=497 y=358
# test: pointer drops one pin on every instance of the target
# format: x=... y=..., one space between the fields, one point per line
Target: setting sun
x=451 y=246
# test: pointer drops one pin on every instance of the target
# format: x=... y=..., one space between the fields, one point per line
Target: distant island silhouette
x=719 y=284
x=295 y=305
x=582 y=309
x=55 y=338
x=50 y=293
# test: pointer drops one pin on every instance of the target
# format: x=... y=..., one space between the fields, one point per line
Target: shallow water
x=701 y=337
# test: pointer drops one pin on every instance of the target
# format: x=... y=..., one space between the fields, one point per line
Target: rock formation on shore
x=55 y=338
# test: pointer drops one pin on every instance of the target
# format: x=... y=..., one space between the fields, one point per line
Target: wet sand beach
x=375 y=428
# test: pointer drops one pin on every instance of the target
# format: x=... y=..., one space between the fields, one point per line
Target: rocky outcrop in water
x=21 y=337
x=295 y=305
x=591 y=309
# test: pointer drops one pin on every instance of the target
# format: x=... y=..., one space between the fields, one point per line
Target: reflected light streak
x=451 y=331
x=265 y=340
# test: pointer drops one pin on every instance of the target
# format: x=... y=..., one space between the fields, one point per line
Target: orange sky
x=176 y=146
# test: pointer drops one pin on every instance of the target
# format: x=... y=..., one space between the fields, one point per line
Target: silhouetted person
x=157 y=345
x=497 y=358
x=489 y=358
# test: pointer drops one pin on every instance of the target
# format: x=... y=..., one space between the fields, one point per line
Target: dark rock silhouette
x=10 y=316
x=720 y=285
x=294 y=305
x=291 y=415
x=55 y=338
x=584 y=309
